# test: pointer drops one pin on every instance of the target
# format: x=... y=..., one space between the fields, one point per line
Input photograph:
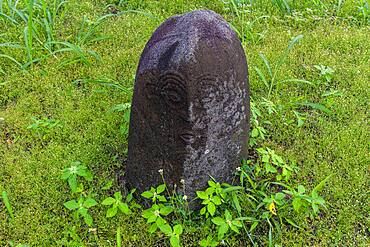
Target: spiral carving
x=172 y=89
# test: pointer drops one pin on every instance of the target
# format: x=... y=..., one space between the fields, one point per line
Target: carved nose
x=187 y=137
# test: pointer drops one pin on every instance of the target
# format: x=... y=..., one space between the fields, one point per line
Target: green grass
x=30 y=163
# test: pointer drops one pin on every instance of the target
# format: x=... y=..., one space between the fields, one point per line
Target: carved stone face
x=190 y=112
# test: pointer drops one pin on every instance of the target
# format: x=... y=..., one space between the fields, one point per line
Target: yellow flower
x=272 y=208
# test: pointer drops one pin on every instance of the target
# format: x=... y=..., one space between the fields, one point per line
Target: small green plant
x=82 y=206
x=88 y=31
x=257 y=130
x=208 y=242
x=274 y=163
x=116 y=203
x=325 y=72
x=272 y=202
x=43 y=126
x=71 y=173
x=6 y=201
x=271 y=163
x=155 y=194
x=301 y=201
x=269 y=201
x=70 y=237
x=126 y=109
x=212 y=197
x=226 y=223
x=155 y=214
x=173 y=233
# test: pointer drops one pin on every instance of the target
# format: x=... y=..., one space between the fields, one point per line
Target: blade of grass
x=235 y=7
x=29 y=30
x=105 y=82
x=57 y=8
x=287 y=7
x=13 y=10
x=12 y=45
x=12 y=20
x=317 y=106
x=26 y=65
x=262 y=77
x=11 y=59
x=321 y=184
x=285 y=54
x=339 y=6
x=118 y=237
x=267 y=64
x=7 y=204
x=270 y=236
x=298 y=81
x=281 y=60
x=75 y=49
x=81 y=30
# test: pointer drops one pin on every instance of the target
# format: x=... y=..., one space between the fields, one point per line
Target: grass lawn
x=63 y=108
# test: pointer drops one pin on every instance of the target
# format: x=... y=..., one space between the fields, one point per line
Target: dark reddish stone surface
x=190 y=110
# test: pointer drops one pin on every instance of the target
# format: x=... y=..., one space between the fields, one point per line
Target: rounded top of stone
x=185 y=31
x=201 y=15
x=198 y=23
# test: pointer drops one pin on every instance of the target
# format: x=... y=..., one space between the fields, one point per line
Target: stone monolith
x=190 y=108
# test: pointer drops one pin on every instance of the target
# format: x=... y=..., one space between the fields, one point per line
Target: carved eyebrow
x=172 y=76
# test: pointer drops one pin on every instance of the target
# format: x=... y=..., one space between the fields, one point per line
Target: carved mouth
x=187 y=137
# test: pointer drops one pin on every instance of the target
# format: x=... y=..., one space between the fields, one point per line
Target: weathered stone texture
x=190 y=110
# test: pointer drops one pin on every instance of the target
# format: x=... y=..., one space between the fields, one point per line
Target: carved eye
x=174 y=97
x=172 y=89
x=172 y=93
